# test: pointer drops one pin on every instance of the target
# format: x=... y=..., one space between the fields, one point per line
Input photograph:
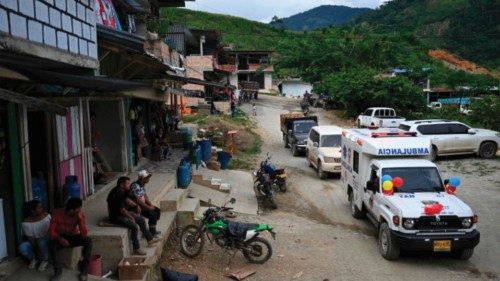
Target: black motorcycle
x=265 y=189
x=277 y=175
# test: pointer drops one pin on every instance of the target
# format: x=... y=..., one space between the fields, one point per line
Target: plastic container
x=71 y=187
x=183 y=174
x=95 y=264
x=223 y=158
x=206 y=150
x=39 y=190
x=195 y=155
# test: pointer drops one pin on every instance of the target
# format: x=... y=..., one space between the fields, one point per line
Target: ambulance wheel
x=386 y=243
x=355 y=212
x=322 y=174
x=463 y=254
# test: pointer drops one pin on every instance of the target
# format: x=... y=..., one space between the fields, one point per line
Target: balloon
x=454 y=181
x=386 y=178
x=397 y=182
x=450 y=189
x=387 y=185
x=433 y=209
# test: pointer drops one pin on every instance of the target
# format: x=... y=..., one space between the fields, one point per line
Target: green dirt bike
x=227 y=234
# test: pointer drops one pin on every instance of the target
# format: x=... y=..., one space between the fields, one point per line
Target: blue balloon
x=454 y=181
x=386 y=178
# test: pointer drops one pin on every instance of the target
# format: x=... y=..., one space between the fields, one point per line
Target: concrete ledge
x=173 y=199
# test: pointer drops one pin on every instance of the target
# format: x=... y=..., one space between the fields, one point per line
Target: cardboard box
x=134 y=268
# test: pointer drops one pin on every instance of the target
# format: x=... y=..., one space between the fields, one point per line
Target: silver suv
x=453 y=138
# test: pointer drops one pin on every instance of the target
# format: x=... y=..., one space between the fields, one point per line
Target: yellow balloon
x=387 y=185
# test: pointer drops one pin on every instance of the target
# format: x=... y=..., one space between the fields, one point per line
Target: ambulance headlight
x=409 y=223
x=466 y=222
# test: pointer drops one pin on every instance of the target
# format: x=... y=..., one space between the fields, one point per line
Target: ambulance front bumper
x=415 y=242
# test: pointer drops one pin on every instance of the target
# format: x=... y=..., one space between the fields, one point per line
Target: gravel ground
x=319 y=240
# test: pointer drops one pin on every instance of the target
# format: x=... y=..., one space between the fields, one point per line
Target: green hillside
x=243 y=33
x=468 y=28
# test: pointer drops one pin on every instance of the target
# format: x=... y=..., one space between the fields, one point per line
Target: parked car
x=435 y=105
x=375 y=117
x=453 y=138
x=323 y=149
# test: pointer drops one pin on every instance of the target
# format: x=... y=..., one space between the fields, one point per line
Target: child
x=254 y=110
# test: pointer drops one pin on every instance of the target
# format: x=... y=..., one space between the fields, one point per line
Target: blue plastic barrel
x=223 y=158
x=183 y=174
x=39 y=190
x=206 y=150
x=71 y=187
x=187 y=138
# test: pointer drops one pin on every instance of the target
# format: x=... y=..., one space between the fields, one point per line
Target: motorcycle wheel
x=282 y=186
x=257 y=250
x=272 y=203
x=191 y=241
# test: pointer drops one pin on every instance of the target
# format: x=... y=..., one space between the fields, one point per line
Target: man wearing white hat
x=148 y=210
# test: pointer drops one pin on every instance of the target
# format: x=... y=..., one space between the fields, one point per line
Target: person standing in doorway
x=36 y=230
x=150 y=211
x=68 y=229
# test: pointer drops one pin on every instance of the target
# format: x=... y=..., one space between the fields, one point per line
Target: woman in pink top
x=35 y=229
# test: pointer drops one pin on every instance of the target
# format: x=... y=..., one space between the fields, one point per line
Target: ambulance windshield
x=425 y=179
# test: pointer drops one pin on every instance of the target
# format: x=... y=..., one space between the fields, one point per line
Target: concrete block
x=61 y=4
x=18 y=26
x=4 y=21
x=71 y=7
x=112 y=249
x=173 y=199
x=187 y=211
x=55 y=18
x=49 y=36
x=35 y=31
x=69 y=257
x=27 y=8
x=92 y=50
x=66 y=23
x=83 y=47
x=73 y=44
x=62 y=40
x=11 y=4
x=41 y=11
x=77 y=27
x=80 y=11
x=90 y=16
x=86 y=31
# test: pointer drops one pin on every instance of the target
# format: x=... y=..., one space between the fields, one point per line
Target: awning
x=196 y=81
x=31 y=102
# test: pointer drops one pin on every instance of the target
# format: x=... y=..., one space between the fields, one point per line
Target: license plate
x=282 y=176
x=442 y=245
x=337 y=168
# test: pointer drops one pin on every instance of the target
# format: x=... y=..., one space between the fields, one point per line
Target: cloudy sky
x=264 y=10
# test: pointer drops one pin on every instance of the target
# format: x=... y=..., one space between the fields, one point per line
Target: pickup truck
x=379 y=117
x=295 y=128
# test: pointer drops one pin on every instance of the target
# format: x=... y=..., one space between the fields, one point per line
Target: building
x=240 y=66
x=294 y=87
x=75 y=75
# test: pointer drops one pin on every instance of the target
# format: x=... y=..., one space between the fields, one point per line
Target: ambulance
x=388 y=179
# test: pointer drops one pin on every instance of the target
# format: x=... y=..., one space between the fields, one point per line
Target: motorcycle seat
x=239 y=229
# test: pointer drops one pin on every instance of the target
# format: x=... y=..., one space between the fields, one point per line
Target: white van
x=323 y=149
x=402 y=218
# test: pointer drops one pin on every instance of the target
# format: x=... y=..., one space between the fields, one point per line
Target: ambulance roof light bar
x=393 y=134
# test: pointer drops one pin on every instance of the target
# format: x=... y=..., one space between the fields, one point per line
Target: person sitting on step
x=150 y=211
x=124 y=212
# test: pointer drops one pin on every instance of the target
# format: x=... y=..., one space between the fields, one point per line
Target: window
x=458 y=128
x=375 y=180
x=434 y=129
x=377 y=112
x=314 y=136
x=368 y=112
x=331 y=141
x=404 y=127
x=391 y=112
x=424 y=179
x=355 y=161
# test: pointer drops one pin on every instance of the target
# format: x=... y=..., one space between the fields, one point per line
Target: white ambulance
x=417 y=215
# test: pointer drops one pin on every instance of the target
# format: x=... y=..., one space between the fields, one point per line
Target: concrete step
x=213 y=183
x=173 y=199
x=205 y=194
x=186 y=213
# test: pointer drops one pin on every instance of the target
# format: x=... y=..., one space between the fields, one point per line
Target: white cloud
x=264 y=10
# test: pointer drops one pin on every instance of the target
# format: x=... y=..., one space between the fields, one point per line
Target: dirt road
x=319 y=240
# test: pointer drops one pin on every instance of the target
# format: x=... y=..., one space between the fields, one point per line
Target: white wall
x=268 y=81
x=295 y=88
x=233 y=80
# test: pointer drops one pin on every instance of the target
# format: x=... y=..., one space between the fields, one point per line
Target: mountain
x=242 y=33
x=319 y=17
x=468 y=28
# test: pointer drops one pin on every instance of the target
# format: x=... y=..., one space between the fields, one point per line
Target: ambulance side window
x=355 y=161
x=375 y=180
